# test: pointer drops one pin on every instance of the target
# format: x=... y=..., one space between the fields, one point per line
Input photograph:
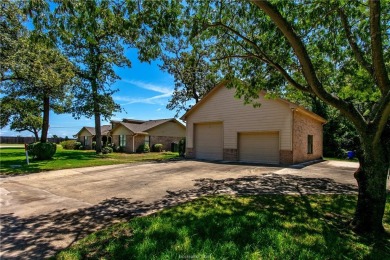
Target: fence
x=26 y=140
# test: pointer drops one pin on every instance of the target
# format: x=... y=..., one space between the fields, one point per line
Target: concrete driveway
x=46 y=212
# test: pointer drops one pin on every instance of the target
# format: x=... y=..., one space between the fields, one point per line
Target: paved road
x=46 y=212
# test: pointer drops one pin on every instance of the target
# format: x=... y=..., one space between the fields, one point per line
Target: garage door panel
x=259 y=147
x=209 y=141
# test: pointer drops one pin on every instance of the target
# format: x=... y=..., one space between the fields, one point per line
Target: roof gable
x=221 y=85
x=104 y=130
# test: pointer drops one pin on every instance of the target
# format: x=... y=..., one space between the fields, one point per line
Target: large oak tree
x=31 y=69
x=94 y=35
x=338 y=51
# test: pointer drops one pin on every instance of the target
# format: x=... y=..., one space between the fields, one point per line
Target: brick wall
x=230 y=154
x=129 y=143
x=166 y=141
x=190 y=153
x=286 y=157
x=304 y=126
x=138 y=140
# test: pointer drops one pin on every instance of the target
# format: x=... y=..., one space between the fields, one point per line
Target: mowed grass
x=13 y=160
x=225 y=227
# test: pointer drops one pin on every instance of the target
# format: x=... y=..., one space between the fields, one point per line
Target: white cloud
x=150 y=86
x=160 y=99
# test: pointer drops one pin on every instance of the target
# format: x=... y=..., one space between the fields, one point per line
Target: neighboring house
x=130 y=134
x=221 y=127
x=87 y=135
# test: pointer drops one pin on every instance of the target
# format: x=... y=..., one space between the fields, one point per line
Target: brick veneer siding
x=190 y=153
x=129 y=144
x=230 y=154
x=138 y=140
x=286 y=157
x=302 y=127
x=166 y=141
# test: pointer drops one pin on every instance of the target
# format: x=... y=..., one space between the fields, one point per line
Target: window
x=309 y=144
x=85 y=140
x=147 y=140
x=122 y=140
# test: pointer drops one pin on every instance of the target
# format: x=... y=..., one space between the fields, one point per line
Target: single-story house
x=221 y=127
x=87 y=135
x=130 y=134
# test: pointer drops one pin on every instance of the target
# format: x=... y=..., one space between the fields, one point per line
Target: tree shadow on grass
x=42 y=236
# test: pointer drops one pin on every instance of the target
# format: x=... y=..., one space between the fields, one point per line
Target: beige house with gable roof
x=87 y=135
x=221 y=127
x=130 y=134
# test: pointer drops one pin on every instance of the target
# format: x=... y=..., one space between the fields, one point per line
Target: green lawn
x=13 y=160
x=253 y=227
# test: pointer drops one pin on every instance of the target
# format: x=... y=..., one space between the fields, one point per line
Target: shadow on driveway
x=42 y=236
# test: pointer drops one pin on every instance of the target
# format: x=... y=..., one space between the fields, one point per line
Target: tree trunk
x=96 y=110
x=371 y=177
x=36 y=135
x=45 y=122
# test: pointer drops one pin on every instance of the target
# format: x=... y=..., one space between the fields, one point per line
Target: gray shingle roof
x=105 y=129
x=144 y=127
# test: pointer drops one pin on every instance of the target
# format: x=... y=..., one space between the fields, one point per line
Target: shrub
x=42 y=151
x=106 y=150
x=93 y=145
x=68 y=145
x=117 y=149
x=157 y=148
x=182 y=146
x=143 y=148
x=81 y=147
x=77 y=146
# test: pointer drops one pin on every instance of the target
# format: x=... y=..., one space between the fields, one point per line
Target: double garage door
x=262 y=147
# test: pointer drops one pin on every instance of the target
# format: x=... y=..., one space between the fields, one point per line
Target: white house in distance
x=221 y=127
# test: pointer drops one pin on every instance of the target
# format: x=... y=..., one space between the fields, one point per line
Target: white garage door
x=259 y=147
x=209 y=141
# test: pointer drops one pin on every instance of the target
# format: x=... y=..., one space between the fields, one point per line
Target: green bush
x=143 y=148
x=77 y=146
x=68 y=145
x=157 y=148
x=93 y=145
x=42 y=151
x=182 y=146
x=106 y=150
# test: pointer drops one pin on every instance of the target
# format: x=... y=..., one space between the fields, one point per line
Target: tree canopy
x=21 y=115
x=32 y=67
x=193 y=73
x=94 y=35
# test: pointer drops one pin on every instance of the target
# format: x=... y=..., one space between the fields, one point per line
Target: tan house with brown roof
x=130 y=134
x=87 y=135
x=221 y=127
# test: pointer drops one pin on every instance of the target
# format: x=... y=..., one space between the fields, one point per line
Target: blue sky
x=144 y=91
